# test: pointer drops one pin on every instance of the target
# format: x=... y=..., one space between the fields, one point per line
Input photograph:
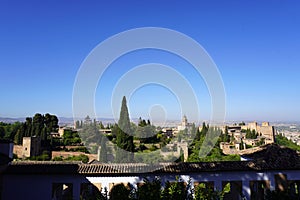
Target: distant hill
x=12 y=120
x=62 y=120
x=70 y=120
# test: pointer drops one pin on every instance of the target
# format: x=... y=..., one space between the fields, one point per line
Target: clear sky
x=255 y=45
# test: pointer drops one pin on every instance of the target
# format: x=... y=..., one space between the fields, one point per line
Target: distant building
x=61 y=131
x=266 y=135
x=168 y=132
x=184 y=124
x=105 y=130
x=265 y=130
x=31 y=146
x=176 y=150
x=87 y=120
x=251 y=142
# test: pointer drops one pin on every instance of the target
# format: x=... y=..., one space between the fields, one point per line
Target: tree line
x=213 y=136
x=38 y=125
x=154 y=190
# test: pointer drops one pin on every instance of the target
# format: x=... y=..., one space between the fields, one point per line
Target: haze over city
x=255 y=46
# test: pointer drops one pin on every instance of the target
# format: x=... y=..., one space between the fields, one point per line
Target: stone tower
x=184 y=122
x=31 y=146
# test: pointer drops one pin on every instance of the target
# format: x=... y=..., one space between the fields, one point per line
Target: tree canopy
x=38 y=125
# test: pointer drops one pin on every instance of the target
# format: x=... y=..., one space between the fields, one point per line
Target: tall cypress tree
x=37 y=125
x=124 y=140
x=103 y=151
x=28 y=127
x=124 y=122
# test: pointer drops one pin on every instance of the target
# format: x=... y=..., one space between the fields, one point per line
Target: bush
x=82 y=157
x=44 y=157
x=79 y=149
x=120 y=191
x=58 y=158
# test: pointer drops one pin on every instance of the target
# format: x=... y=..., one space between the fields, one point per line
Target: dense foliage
x=250 y=134
x=82 y=157
x=281 y=140
x=205 y=139
x=71 y=137
x=177 y=190
x=103 y=151
x=38 y=125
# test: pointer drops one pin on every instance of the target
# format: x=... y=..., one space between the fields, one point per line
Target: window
x=90 y=191
x=281 y=183
x=235 y=189
x=259 y=189
x=294 y=189
x=62 y=191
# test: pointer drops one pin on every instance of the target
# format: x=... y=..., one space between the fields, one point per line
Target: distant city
x=84 y=164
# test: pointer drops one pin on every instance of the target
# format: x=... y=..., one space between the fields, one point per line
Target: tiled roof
x=42 y=167
x=137 y=168
x=121 y=168
x=272 y=157
x=277 y=156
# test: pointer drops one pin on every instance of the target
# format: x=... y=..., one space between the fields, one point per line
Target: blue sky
x=255 y=45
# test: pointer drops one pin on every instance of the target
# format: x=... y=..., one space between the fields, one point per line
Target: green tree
x=198 y=135
x=225 y=137
x=124 y=121
x=150 y=190
x=71 y=137
x=120 y=192
x=103 y=151
x=242 y=123
x=204 y=128
x=13 y=130
x=251 y=134
x=28 y=127
x=142 y=122
x=124 y=141
x=204 y=192
x=193 y=130
x=215 y=154
x=145 y=132
x=37 y=125
x=281 y=140
x=18 y=137
x=176 y=190
x=101 y=125
x=51 y=123
x=44 y=134
x=81 y=157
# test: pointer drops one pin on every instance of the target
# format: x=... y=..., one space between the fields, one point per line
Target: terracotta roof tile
x=272 y=157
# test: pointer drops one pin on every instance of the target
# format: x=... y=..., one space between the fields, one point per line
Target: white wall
x=40 y=186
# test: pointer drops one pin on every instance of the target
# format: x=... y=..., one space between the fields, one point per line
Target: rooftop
x=271 y=157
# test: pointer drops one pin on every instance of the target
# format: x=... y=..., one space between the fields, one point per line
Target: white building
x=249 y=179
x=184 y=124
